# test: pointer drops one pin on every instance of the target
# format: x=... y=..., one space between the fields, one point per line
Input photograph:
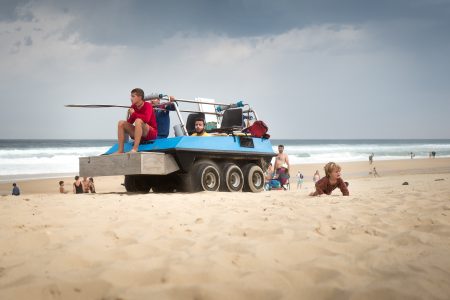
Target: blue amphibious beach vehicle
x=227 y=160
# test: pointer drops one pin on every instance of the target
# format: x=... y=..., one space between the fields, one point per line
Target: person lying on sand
x=331 y=181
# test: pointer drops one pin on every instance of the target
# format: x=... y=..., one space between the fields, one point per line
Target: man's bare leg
x=123 y=128
x=140 y=129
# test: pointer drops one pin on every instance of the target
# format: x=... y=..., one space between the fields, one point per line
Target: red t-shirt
x=145 y=113
x=323 y=186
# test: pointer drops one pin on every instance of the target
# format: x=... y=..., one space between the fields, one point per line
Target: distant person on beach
x=371 y=158
x=141 y=122
x=91 y=185
x=375 y=173
x=85 y=183
x=61 y=188
x=316 y=176
x=412 y=155
x=282 y=166
x=433 y=154
x=200 y=128
x=15 y=190
x=162 y=115
x=78 y=186
x=331 y=181
x=299 y=180
x=268 y=176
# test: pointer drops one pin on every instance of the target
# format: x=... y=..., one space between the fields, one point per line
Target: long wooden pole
x=122 y=106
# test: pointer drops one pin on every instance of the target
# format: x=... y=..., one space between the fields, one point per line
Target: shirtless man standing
x=282 y=165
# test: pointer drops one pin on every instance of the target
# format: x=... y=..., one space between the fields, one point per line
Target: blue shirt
x=16 y=191
x=163 y=120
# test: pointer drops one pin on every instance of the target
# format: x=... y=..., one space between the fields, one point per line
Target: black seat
x=232 y=119
x=190 y=122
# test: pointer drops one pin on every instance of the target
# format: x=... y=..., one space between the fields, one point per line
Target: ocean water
x=24 y=159
x=322 y=151
x=46 y=158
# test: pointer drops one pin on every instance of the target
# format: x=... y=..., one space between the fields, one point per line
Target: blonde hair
x=329 y=167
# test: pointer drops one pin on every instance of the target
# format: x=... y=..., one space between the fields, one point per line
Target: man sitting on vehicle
x=142 y=116
x=162 y=114
x=200 y=128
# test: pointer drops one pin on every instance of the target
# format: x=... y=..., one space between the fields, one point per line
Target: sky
x=349 y=69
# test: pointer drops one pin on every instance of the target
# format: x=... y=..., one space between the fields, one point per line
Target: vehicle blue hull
x=237 y=145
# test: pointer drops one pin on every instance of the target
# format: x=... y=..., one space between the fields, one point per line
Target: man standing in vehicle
x=141 y=122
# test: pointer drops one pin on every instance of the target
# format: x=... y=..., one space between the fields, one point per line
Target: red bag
x=258 y=129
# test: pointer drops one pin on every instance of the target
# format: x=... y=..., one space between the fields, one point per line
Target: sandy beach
x=385 y=241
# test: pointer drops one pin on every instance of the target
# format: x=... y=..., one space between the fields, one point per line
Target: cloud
x=353 y=78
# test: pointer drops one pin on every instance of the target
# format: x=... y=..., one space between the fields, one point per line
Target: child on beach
x=299 y=180
x=61 y=188
x=331 y=181
x=91 y=185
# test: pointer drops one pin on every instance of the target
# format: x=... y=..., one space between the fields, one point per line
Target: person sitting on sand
x=61 y=188
x=331 y=181
x=15 y=190
x=142 y=116
x=200 y=128
x=268 y=176
x=85 y=183
x=78 y=186
x=91 y=185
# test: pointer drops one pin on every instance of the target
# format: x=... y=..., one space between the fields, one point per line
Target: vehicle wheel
x=165 y=184
x=206 y=176
x=163 y=189
x=137 y=183
x=253 y=178
x=232 y=178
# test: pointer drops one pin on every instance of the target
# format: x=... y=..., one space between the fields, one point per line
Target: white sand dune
x=385 y=241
